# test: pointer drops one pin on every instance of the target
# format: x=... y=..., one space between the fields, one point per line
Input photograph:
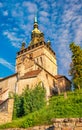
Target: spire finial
x=35 y=19
x=35 y=22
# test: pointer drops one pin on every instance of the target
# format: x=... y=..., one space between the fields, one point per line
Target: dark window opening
x=37 y=60
x=31 y=55
x=0 y=90
x=27 y=86
x=53 y=83
x=41 y=60
x=47 y=76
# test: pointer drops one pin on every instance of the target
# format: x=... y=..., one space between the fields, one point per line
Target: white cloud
x=31 y=17
x=17 y=13
x=10 y=35
x=44 y=13
x=67 y=16
x=78 y=35
x=14 y=40
x=70 y=29
x=16 y=44
x=44 y=5
x=32 y=7
x=5 y=13
x=7 y=64
x=1 y=5
x=61 y=24
x=44 y=20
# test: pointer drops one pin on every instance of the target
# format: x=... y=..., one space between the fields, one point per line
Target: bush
x=29 y=101
x=58 y=107
x=18 y=106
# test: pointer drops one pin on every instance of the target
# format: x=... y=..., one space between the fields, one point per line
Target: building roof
x=31 y=74
x=61 y=76
x=1 y=101
x=1 y=79
x=58 y=76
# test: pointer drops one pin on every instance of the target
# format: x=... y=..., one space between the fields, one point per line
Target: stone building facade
x=34 y=64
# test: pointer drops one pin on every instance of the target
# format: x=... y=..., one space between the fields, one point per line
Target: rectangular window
x=0 y=90
x=31 y=55
x=41 y=60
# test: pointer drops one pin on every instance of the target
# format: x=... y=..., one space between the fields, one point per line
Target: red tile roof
x=58 y=76
x=1 y=101
x=31 y=74
x=15 y=74
x=61 y=76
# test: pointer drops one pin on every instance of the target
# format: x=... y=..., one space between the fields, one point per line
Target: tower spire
x=35 y=22
x=35 y=19
x=36 y=35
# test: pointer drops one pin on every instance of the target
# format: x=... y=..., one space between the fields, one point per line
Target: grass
x=58 y=107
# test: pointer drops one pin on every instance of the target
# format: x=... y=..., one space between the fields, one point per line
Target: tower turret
x=23 y=45
x=36 y=35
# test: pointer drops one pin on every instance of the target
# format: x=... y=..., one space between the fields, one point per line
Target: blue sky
x=59 y=20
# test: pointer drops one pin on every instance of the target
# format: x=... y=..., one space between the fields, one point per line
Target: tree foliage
x=29 y=101
x=76 y=65
x=18 y=106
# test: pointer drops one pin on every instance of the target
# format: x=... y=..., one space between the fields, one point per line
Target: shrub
x=18 y=106
x=29 y=101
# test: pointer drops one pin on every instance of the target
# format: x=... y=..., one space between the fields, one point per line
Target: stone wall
x=67 y=124
x=6 y=110
x=58 y=124
x=8 y=84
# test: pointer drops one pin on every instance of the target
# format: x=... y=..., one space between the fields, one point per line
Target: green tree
x=34 y=99
x=29 y=101
x=76 y=65
x=18 y=106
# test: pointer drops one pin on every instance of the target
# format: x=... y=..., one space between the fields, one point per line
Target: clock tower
x=37 y=62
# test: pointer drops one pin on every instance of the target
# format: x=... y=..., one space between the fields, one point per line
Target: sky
x=59 y=20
